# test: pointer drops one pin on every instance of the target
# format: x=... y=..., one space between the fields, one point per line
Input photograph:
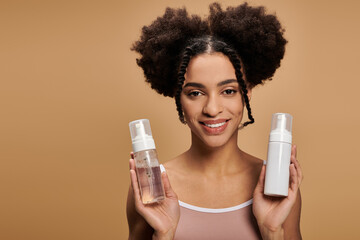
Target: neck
x=214 y=161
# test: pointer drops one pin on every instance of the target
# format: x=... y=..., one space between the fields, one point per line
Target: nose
x=213 y=106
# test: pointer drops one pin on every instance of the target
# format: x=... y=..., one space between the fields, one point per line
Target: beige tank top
x=197 y=223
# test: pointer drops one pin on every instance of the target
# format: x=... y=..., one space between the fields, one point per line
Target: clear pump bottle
x=146 y=162
x=279 y=153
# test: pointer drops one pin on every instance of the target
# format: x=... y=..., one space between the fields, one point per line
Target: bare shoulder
x=252 y=158
x=255 y=163
x=175 y=165
x=253 y=170
x=171 y=164
x=179 y=177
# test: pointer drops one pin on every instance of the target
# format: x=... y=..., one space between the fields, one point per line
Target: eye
x=229 y=92
x=194 y=93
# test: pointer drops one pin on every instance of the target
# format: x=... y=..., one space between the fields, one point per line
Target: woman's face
x=211 y=99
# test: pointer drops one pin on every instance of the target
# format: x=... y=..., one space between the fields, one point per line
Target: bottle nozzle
x=281 y=125
x=140 y=130
x=141 y=135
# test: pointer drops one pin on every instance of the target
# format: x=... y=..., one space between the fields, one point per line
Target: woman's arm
x=291 y=225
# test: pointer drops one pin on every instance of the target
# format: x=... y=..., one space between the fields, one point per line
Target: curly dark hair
x=244 y=34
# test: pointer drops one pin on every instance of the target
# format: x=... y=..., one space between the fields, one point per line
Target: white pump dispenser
x=279 y=152
x=141 y=135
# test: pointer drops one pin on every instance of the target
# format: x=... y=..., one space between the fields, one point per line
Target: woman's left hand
x=271 y=212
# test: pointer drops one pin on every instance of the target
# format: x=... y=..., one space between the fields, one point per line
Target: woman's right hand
x=163 y=216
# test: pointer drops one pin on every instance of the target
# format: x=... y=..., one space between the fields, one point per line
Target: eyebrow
x=199 y=85
x=226 y=82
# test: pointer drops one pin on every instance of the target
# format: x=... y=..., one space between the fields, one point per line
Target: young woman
x=209 y=67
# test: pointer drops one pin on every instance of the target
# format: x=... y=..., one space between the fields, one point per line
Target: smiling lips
x=215 y=126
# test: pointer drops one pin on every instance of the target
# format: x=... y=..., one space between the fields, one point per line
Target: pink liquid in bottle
x=150 y=184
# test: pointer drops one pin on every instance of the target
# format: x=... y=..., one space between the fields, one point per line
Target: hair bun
x=255 y=35
x=161 y=44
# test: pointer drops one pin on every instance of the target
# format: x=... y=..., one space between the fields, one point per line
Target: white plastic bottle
x=278 y=158
x=146 y=162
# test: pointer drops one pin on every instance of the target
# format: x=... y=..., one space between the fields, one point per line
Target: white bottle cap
x=281 y=125
x=141 y=136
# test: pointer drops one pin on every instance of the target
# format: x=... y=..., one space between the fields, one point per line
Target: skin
x=225 y=175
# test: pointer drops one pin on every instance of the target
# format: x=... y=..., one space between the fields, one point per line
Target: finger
x=299 y=170
x=294 y=178
x=295 y=150
x=296 y=163
x=132 y=164
x=132 y=155
x=167 y=186
x=135 y=187
x=293 y=153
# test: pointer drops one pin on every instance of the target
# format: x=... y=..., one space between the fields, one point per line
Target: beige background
x=70 y=85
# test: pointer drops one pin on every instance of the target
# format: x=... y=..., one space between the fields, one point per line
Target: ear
x=249 y=94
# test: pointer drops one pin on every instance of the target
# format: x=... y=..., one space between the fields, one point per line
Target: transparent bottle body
x=149 y=176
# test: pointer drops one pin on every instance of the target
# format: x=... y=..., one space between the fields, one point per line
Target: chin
x=215 y=141
x=215 y=144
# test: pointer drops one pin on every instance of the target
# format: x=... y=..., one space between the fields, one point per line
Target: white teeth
x=215 y=125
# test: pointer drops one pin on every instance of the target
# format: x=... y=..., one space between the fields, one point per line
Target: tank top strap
x=162 y=168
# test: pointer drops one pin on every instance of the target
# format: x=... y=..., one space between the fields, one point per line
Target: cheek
x=191 y=109
x=235 y=106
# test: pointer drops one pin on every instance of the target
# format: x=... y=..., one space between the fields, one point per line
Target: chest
x=200 y=224
x=213 y=192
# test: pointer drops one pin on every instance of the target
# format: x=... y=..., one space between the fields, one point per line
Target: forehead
x=209 y=68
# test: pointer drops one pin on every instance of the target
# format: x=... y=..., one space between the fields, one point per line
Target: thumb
x=169 y=192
